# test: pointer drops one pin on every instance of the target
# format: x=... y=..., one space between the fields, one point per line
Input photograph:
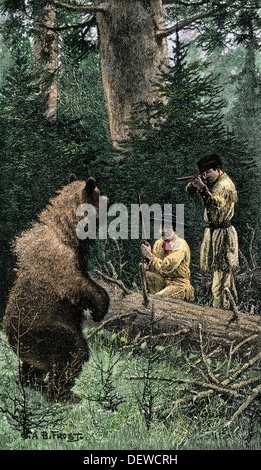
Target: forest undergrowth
x=138 y=395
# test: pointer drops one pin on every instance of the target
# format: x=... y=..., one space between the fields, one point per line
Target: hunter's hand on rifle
x=197 y=182
x=146 y=251
x=146 y=266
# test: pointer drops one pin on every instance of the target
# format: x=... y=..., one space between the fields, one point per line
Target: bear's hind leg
x=52 y=360
x=69 y=352
x=33 y=377
x=62 y=378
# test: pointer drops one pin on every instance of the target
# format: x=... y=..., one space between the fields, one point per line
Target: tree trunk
x=46 y=57
x=221 y=327
x=131 y=56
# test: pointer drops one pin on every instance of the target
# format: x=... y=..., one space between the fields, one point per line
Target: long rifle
x=145 y=289
x=183 y=178
x=145 y=240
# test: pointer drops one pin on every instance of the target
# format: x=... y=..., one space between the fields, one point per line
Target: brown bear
x=43 y=319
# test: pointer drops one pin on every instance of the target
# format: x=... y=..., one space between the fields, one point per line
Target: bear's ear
x=90 y=185
x=72 y=177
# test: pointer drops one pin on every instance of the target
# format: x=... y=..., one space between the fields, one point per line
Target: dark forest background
x=213 y=102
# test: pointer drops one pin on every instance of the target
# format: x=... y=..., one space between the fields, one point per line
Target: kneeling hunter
x=167 y=271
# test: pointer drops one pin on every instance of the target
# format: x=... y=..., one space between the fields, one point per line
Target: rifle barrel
x=141 y=218
x=183 y=178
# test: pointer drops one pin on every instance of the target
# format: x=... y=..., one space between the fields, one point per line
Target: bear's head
x=94 y=195
x=92 y=211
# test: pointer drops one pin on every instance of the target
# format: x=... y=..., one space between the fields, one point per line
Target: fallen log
x=163 y=317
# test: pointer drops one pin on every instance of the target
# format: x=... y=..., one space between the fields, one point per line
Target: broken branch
x=106 y=322
x=118 y=282
x=98 y=8
x=188 y=21
x=244 y=405
x=161 y=335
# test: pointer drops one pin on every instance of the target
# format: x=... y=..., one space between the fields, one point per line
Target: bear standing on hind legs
x=43 y=320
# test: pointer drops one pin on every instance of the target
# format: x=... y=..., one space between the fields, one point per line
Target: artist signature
x=56 y=435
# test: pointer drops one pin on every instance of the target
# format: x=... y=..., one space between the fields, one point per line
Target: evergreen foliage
x=36 y=156
x=245 y=115
x=173 y=134
x=169 y=137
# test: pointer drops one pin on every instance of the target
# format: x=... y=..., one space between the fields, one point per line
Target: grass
x=118 y=413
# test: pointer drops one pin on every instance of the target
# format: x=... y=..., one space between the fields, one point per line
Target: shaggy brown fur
x=45 y=308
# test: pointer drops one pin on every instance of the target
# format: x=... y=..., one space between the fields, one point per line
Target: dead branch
x=242 y=343
x=204 y=358
x=252 y=256
x=189 y=319
x=102 y=8
x=161 y=335
x=189 y=3
x=112 y=275
x=245 y=260
x=188 y=21
x=110 y=320
x=90 y=21
x=198 y=361
x=212 y=384
x=114 y=280
x=211 y=387
x=244 y=405
x=243 y=383
x=243 y=369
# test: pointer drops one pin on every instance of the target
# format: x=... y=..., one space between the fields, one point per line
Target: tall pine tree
x=245 y=117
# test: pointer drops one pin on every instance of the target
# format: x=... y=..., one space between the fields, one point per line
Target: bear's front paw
x=100 y=305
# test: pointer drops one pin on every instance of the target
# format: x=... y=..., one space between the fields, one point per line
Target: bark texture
x=131 y=56
x=217 y=326
x=46 y=57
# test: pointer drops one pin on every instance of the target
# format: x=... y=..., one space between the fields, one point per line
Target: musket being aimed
x=184 y=178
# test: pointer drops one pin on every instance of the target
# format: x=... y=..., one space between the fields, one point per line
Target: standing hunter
x=219 y=249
